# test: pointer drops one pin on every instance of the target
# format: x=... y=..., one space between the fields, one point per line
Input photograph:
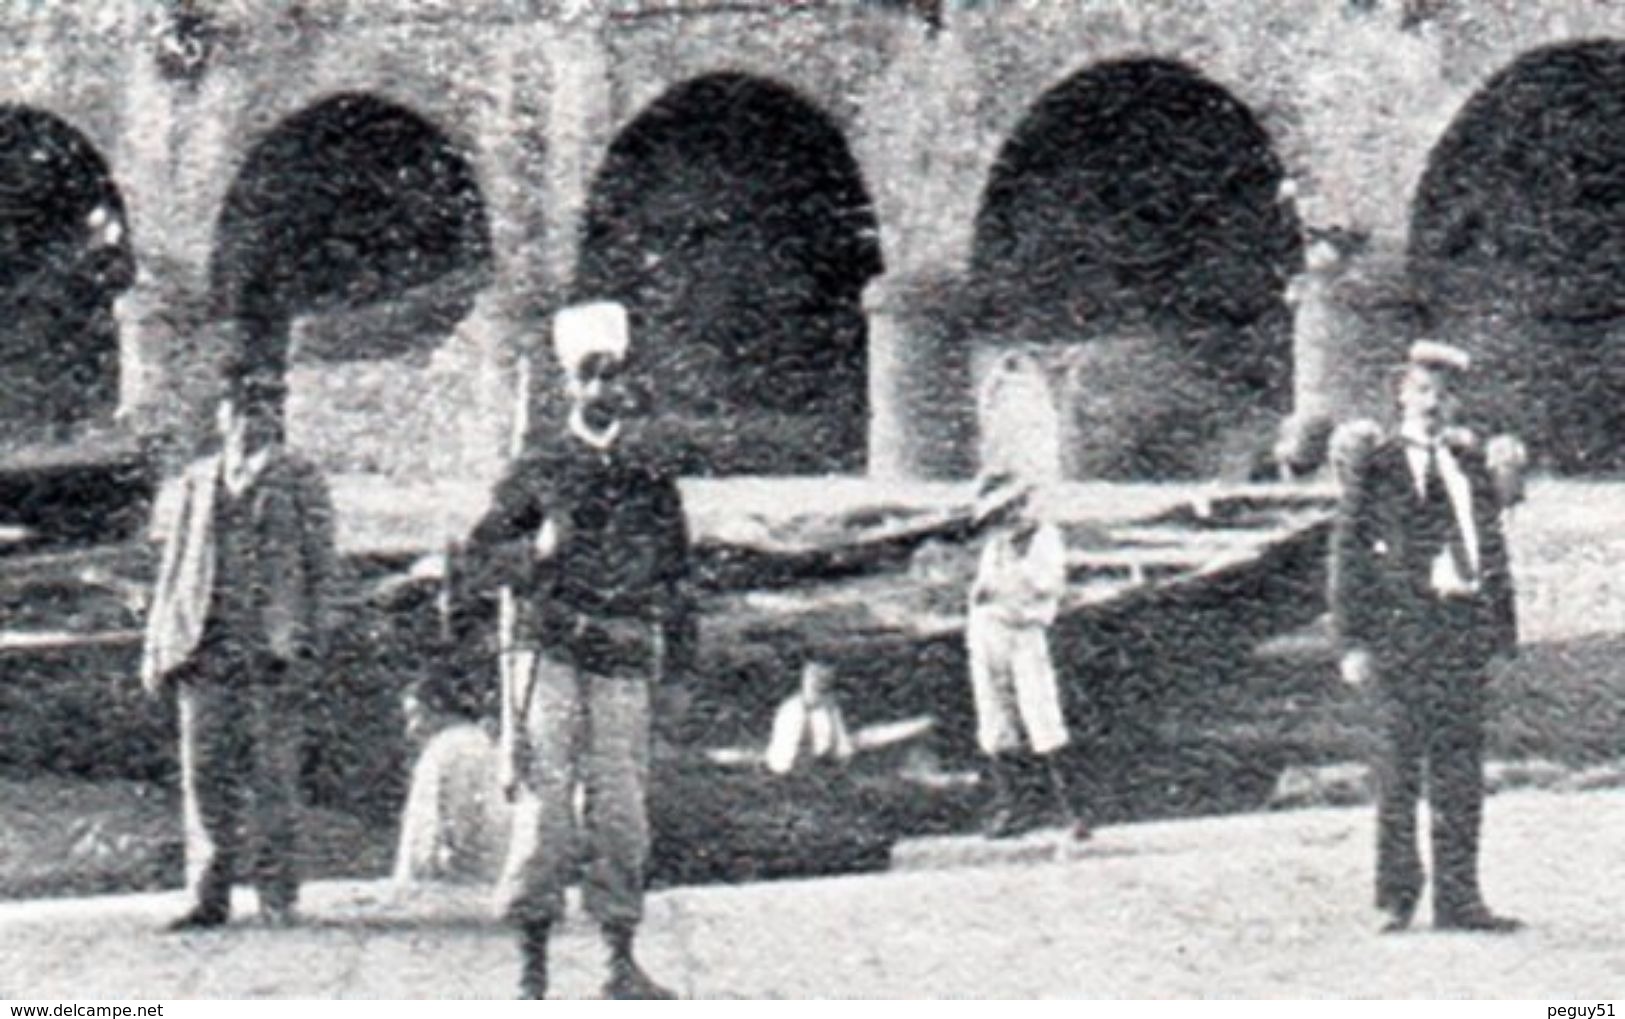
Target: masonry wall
x=1351 y=97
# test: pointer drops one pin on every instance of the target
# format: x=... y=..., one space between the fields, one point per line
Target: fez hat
x=998 y=493
x=1439 y=356
x=597 y=327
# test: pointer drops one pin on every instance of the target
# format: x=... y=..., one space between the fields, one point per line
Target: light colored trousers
x=240 y=778
x=1013 y=684
x=589 y=731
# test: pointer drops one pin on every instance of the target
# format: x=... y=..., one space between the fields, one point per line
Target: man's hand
x=1357 y=667
x=509 y=767
x=1508 y=461
x=1501 y=667
x=513 y=760
x=672 y=703
x=546 y=545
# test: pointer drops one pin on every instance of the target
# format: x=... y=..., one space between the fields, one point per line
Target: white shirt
x=1446 y=578
x=1021 y=586
x=456 y=822
x=601 y=441
x=239 y=474
x=818 y=728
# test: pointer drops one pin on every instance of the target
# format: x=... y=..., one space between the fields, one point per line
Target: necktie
x=1441 y=515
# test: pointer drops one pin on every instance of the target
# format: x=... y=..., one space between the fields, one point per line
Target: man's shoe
x=533 y=960
x=1397 y=918
x=628 y=982
x=1006 y=824
x=1480 y=919
x=533 y=979
x=281 y=915
x=197 y=919
x=1079 y=831
x=1002 y=824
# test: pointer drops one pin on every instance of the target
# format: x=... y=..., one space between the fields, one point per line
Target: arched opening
x=731 y=218
x=351 y=202
x=1131 y=230
x=1517 y=249
x=65 y=257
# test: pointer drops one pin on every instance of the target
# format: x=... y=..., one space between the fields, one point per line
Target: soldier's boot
x=1005 y=816
x=627 y=980
x=1066 y=813
x=533 y=960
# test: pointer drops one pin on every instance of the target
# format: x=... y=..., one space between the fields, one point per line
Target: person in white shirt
x=1020 y=579
x=808 y=728
x=456 y=823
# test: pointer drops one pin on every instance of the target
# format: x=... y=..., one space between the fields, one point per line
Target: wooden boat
x=1172 y=589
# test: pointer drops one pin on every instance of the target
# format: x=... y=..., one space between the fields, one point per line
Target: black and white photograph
x=812 y=499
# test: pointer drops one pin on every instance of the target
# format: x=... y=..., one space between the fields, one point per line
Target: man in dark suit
x=1422 y=599
x=236 y=626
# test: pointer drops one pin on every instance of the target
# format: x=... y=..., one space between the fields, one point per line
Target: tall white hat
x=598 y=327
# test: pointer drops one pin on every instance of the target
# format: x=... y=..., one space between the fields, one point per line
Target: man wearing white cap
x=1422 y=599
x=1020 y=579
x=591 y=538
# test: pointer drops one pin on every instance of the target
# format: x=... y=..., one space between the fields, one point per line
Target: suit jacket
x=614 y=595
x=290 y=516
x=1380 y=592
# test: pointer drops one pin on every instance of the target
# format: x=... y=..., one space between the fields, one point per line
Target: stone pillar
x=567 y=98
x=177 y=156
x=488 y=333
x=1314 y=332
x=921 y=409
x=580 y=119
x=162 y=379
x=523 y=137
x=163 y=370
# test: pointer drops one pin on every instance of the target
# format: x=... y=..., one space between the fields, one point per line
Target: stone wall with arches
x=1303 y=283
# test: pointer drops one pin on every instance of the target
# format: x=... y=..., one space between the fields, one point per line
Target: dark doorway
x=353 y=201
x=1517 y=249
x=65 y=257
x=1138 y=203
x=731 y=218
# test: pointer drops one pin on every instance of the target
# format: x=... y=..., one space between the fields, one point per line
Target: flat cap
x=1433 y=354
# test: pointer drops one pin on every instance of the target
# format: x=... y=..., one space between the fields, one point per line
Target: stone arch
x=1132 y=227
x=352 y=201
x=65 y=256
x=732 y=219
x=1516 y=245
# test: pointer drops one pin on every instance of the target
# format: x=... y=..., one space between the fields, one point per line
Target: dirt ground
x=1265 y=905
x=1253 y=905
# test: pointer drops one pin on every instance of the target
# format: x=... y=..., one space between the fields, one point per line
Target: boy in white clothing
x=808 y=729
x=1019 y=583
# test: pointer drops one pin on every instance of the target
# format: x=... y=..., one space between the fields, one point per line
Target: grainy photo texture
x=832 y=498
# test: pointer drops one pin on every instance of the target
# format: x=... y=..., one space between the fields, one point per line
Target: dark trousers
x=1429 y=712
x=240 y=777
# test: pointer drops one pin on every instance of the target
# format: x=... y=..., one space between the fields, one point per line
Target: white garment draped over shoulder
x=1020 y=427
x=456 y=822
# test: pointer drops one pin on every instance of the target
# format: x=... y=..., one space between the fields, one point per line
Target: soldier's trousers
x=1433 y=716
x=240 y=741
x=592 y=731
